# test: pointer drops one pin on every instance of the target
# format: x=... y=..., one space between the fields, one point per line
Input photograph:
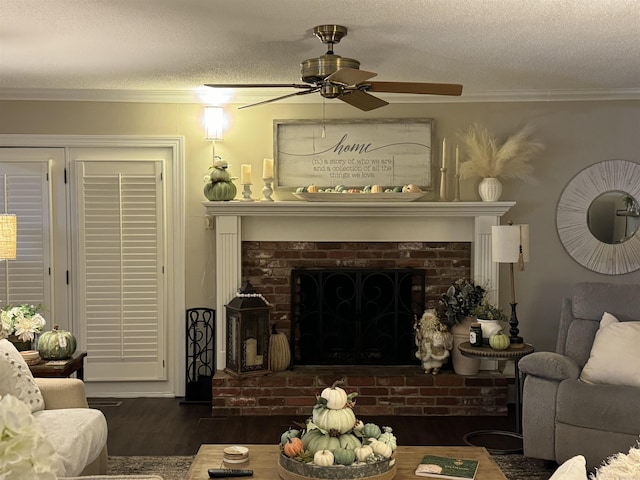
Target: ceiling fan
x=339 y=77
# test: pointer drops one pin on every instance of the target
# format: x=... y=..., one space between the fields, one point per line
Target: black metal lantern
x=248 y=333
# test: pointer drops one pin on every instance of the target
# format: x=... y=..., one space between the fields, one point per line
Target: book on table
x=435 y=466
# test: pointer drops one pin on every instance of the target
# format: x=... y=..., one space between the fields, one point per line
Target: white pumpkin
x=329 y=419
x=324 y=458
x=335 y=396
x=389 y=438
x=363 y=452
x=380 y=448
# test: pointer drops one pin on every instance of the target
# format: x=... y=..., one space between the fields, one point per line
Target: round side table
x=510 y=353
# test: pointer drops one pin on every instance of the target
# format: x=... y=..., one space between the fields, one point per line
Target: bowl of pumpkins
x=334 y=444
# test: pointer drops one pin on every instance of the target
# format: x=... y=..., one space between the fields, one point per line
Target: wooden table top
x=263 y=460
x=511 y=353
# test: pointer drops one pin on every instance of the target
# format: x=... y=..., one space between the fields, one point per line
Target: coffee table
x=263 y=460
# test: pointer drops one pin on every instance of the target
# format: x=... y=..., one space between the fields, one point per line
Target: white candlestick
x=245 y=174
x=267 y=168
x=457 y=160
x=444 y=153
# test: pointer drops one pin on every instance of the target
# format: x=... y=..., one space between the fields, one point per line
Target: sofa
x=59 y=406
x=567 y=409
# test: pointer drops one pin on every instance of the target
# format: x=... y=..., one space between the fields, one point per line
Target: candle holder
x=267 y=191
x=443 y=184
x=246 y=192
x=456 y=188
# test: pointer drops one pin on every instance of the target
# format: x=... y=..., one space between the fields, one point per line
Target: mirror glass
x=613 y=217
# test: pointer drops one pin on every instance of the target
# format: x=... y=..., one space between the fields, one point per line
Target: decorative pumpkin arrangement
x=218 y=184
x=410 y=188
x=279 y=351
x=56 y=344
x=333 y=436
x=499 y=341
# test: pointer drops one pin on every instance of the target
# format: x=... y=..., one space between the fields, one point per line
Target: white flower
x=24 y=321
x=25 y=452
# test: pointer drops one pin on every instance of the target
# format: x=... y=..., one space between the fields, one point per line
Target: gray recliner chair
x=563 y=416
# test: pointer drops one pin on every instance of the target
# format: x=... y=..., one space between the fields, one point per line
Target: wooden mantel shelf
x=358 y=209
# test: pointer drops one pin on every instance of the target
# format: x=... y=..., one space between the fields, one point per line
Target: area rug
x=514 y=467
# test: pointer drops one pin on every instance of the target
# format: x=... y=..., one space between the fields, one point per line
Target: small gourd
x=279 y=351
x=363 y=452
x=289 y=434
x=411 y=188
x=371 y=430
x=323 y=458
x=499 y=341
x=335 y=396
x=380 y=448
x=312 y=189
x=293 y=447
x=376 y=189
x=388 y=437
x=56 y=344
x=344 y=456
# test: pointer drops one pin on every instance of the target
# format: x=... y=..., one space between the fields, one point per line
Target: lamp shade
x=8 y=236
x=213 y=122
x=508 y=241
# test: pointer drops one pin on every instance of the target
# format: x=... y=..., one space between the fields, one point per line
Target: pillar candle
x=245 y=174
x=457 y=160
x=444 y=153
x=250 y=351
x=267 y=168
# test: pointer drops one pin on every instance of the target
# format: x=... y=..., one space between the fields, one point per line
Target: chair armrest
x=62 y=393
x=550 y=366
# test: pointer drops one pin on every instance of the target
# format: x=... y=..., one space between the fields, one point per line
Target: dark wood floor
x=164 y=426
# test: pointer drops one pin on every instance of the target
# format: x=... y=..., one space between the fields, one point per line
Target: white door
x=119 y=256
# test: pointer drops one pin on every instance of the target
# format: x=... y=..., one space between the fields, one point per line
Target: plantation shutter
x=121 y=249
x=24 y=191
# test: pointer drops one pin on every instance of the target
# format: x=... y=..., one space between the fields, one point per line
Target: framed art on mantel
x=354 y=153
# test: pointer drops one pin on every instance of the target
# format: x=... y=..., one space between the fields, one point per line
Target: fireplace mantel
x=350 y=221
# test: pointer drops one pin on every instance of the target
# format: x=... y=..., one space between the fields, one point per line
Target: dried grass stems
x=487 y=159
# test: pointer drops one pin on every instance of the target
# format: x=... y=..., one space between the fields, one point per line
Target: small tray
x=359 y=197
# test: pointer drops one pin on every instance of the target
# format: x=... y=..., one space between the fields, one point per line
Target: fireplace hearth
x=357 y=316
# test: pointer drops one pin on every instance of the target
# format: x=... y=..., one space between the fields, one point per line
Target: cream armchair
x=69 y=393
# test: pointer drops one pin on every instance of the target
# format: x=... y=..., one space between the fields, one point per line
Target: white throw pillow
x=614 y=358
x=16 y=378
x=573 y=469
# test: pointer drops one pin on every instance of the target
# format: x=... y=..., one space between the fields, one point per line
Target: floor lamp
x=510 y=244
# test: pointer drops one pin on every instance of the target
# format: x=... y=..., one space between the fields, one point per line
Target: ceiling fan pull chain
x=324 y=131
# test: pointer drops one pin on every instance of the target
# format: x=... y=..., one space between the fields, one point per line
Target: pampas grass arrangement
x=487 y=159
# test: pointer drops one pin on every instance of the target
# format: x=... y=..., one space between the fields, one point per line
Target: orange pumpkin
x=293 y=447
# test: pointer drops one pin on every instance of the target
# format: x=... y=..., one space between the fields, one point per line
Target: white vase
x=490 y=189
x=463 y=365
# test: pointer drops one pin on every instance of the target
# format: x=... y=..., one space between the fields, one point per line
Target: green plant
x=486 y=311
x=23 y=321
x=460 y=299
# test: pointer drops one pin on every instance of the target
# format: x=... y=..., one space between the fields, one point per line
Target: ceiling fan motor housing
x=315 y=70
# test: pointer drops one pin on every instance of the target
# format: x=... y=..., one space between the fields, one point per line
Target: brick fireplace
x=262 y=242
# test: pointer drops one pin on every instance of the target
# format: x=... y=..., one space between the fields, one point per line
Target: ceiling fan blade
x=311 y=90
x=349 y=76
x=419 y=88
x=362 y=100
x=258 y=85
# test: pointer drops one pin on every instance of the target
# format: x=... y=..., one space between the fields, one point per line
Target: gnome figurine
x=434 y=341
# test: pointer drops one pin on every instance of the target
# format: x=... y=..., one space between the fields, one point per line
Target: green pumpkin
x=56 y=344
x=220 y=174
x=344 y=456
x=341 y=421
x=371 y=430
x=288 y=435
x=220 y=191
x=315 y=440
x=499 y=341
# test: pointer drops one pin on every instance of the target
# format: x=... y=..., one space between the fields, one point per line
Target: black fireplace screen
x=355 y=316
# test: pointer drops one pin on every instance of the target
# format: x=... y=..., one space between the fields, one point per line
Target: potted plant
x=489 y=160
x=489 y=316
x=20 y=324
x=458 y=302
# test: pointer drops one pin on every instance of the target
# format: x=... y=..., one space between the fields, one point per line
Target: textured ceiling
x=493 y=47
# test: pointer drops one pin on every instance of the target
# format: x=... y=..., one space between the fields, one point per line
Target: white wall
x=576 y=134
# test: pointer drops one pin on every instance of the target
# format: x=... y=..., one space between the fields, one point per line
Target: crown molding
x=256 y=95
